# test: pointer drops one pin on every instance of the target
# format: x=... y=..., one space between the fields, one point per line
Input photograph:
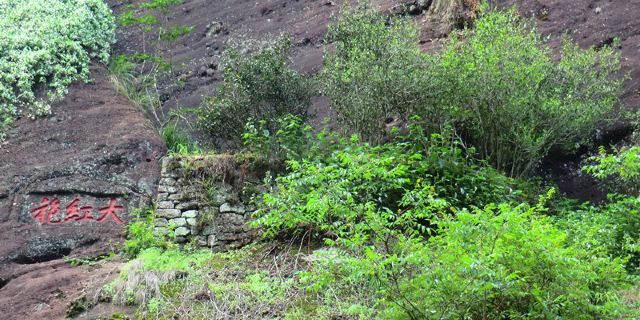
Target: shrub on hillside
x=613 y=227
x=514 y=100
x=498 y=82
x=620 y=169
x=331 y=191
x=260 y=87
x=375 y=72
x=293 y=139
x=500 y=262
x=44 y=47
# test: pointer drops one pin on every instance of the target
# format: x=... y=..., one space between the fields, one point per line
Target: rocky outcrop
x=68 y=184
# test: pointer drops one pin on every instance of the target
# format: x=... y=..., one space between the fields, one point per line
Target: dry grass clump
x=448 y=14
x=141 y=286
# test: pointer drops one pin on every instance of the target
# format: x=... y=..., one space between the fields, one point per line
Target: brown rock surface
x=95 y=147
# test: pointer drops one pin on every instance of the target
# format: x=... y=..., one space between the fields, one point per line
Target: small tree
x=375 y=72
x=514 y=100
x=261 y=87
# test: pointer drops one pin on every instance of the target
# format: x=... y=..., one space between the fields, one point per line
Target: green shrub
x=178 y=143
x=514 y=100
x=329 y=192
x=620 y=169
x=375 y=71
x=498 y=83
x=500 y=262
x=260 y=87
x=292 y=140
x=613 y=227
x=44 y=47
x=141 y=234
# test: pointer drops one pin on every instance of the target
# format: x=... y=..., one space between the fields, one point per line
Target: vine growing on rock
x=44 y=47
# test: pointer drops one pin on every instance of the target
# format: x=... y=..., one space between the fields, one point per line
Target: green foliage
x=148 y=17
x=161 y=5
x=330 y=192
x=74 y=262
x=260 y=87
x=613 y=228
x=174 y=33
x=44 y=47
x=293 y=139
x=512 y=98
x=498 y=82
x=141 y=234
x=623 y=164
x=178 y=143
x=500 y=262
x=376 y=70
x=157 y=259
x=129 y=18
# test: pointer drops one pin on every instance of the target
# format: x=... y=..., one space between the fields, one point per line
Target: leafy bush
x=44 y=47
x=500 y=262
x=498 y=82
x=514 y=101
x=292 y=139
x=141 y=234
x=613 y=227
x=331 y=191
x=623 y=165
x=413 y=233
x=178 y=143
x=260 y=87
x=375 y=72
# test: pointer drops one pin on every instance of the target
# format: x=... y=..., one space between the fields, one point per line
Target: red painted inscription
x=48 y=212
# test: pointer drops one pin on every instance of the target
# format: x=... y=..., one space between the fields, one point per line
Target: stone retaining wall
x=200 y=200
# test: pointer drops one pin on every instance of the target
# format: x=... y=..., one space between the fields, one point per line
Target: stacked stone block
x=218 y=220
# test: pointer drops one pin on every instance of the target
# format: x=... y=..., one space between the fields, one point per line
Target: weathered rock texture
x=68 y=183
x=205 y=200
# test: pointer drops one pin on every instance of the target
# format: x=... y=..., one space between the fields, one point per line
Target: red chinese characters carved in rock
x=48 y=212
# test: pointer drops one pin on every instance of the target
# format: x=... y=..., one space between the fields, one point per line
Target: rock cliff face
x=68 y=182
